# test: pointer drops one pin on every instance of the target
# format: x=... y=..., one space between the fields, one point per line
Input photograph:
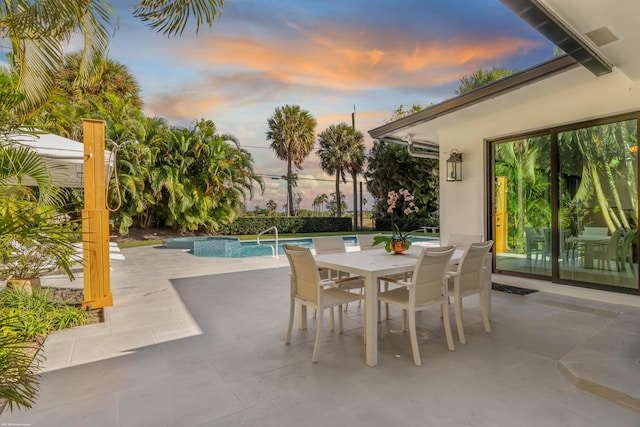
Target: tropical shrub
x=25 y=319
x=287 y=224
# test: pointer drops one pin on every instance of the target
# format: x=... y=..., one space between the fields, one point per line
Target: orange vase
x=398 y=246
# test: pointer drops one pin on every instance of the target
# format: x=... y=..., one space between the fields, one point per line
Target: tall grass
x=24 y=318
x=37 y=313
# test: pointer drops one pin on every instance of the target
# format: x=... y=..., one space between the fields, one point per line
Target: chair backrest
x=471 y=263
x=628 y=237
x=305 y=279
x=365 y=241
x=529 y=232
x=328 y=244
x=625 y=243
x=595 y=231
x=429 y=271
x=463 y=240
x=612 y=247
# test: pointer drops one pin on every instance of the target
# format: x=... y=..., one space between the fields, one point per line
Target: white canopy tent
x=64 y=156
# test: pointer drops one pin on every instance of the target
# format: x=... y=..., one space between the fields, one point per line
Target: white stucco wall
x=573 y=96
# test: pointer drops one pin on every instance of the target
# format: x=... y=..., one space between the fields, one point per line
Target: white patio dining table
x=370 y=265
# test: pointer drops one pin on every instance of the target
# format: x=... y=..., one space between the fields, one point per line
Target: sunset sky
x=326 y=56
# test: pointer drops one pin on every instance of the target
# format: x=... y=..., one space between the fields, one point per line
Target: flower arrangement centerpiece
x=399 y=241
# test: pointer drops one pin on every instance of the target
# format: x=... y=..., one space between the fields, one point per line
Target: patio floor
x=200 y=342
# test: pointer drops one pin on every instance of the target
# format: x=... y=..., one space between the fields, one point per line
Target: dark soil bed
x=138 y=234
x=74 y=297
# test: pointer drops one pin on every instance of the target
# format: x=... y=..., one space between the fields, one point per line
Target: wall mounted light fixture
x=454 y=166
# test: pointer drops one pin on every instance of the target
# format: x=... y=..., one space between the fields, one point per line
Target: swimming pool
x=232 y=247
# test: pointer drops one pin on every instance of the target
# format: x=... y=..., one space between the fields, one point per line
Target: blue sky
x=324 y=55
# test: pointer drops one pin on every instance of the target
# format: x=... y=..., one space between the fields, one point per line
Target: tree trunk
x=338 y=199
x=354 y=176
x=289 y=190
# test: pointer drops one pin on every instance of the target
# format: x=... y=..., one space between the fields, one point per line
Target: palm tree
x=356 y=167
x=316 y=205
x=272 y=207
x=340 y=146
x=201 y=178
x=333 y=206
x=519 y=161
x=481 y=78
x=291 y=132
x=39 y=29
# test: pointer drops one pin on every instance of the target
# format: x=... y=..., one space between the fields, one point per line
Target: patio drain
x=511 y=289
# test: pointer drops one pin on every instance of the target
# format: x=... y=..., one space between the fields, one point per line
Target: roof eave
x=558 y=31
x=493 y=90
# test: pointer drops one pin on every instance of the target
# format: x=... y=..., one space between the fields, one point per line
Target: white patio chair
x=461 y=241
x=534 y=243
x=365 y=242
x=309 y=290
x=427 y=286
x=468 y=280
x=625 y=254
x=609 y=251
x=335 y=244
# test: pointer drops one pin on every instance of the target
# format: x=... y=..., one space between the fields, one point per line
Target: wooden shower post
x=95 y=219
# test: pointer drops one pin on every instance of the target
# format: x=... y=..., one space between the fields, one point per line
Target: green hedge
x=287 y=224
x=405 y=224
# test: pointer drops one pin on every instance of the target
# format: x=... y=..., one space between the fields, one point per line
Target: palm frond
x=170 y=17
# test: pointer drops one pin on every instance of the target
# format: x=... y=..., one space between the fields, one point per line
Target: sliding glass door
x=565 y=204
x=523 y=205
x=598 y=200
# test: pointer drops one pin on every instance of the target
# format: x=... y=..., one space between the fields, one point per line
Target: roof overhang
x=558 y=31
x=397 y=131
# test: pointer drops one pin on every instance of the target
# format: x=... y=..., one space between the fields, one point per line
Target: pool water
x=231 y=247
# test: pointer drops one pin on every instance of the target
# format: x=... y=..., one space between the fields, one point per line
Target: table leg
x=371 y=320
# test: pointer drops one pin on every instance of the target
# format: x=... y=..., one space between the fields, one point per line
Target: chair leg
x=331 y=319
x=292 y=309
x=444 y=309
x=316 y=347
x=484 y=308
x=340 y=319
x=404 y=320
x=414 y=338
x=379 y=305
x=457 y=307
x=386 y=305
x=302 y=321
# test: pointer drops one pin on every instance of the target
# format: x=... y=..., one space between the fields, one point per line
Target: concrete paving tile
x=132 y=320
x=626 y=344
x=79 y=332
x=115 y=344
x=77 y=383
x=628 y=321
x=57 y=354
x=99 y=411
x=189 y=399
